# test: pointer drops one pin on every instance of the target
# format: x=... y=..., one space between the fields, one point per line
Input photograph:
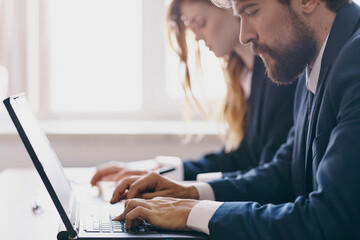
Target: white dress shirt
x=312 y=73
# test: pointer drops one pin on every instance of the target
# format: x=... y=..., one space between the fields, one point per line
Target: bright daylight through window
x=96 y=59
x=95 y=55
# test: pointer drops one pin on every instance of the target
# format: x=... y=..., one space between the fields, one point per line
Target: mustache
x=257 y=49
x=254 y=48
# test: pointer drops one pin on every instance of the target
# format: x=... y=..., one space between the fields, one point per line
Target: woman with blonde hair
x=257 y=113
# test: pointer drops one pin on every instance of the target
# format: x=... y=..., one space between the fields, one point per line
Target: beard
x=288 y=59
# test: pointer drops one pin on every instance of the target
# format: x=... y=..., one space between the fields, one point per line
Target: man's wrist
x=193 y=192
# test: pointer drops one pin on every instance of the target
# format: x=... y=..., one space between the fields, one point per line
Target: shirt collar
x=313 y=73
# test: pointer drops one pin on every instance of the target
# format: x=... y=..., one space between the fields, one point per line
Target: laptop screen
x=43 y=150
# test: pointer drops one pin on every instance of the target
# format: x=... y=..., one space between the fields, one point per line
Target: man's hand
x=165 y=213
x=150 y=186
x=114 y=171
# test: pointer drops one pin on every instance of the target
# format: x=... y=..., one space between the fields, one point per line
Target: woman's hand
x=115 y=171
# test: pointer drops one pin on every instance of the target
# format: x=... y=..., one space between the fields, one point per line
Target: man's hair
x=333 y=5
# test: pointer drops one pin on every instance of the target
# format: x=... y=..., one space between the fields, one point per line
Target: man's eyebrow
x=243 y=8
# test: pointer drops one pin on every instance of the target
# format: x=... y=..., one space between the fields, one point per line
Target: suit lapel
x=310 y=135
x=343 y=27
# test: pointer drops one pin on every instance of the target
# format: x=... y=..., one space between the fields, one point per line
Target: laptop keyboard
x=99 y=219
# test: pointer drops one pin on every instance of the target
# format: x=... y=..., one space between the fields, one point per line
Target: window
x=106 y=60
x=90 y=59
x=95 y=55
x=110 y=59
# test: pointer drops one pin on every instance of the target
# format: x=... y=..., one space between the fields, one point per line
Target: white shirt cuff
x=200 y=215
x=205 y=191
x=178 y=173
x=205 y=177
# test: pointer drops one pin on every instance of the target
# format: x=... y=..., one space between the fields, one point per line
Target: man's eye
x=252 y=12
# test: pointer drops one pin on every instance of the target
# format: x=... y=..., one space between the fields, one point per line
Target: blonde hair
x=235 y=106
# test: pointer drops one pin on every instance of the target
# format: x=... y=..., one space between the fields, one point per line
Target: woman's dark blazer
x=269 y=119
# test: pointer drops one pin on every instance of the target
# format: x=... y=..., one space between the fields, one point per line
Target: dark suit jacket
x=311 y=190
x=269 y=120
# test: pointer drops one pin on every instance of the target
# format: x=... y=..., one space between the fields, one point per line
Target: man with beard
x=311 y=189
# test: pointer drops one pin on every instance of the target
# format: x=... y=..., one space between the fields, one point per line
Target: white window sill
x=108 y=127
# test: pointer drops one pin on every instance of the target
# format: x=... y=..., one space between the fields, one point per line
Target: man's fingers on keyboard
x=132 y=217
x=123 y=196
x=120 y=189
x=144 y=184
x=134 y=203
x=119 y=218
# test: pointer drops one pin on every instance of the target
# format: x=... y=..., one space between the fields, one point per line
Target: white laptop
x=79 y=221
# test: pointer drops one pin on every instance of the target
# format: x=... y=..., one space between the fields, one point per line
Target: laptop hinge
x=63 y=235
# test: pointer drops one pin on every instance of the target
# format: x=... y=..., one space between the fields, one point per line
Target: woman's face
x=217 y=27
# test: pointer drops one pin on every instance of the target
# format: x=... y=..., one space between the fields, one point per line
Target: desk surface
x=19 y=188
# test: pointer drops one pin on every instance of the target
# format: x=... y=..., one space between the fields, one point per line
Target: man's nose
x=247 y=33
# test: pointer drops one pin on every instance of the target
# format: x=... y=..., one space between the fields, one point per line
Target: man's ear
x=308 y=6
